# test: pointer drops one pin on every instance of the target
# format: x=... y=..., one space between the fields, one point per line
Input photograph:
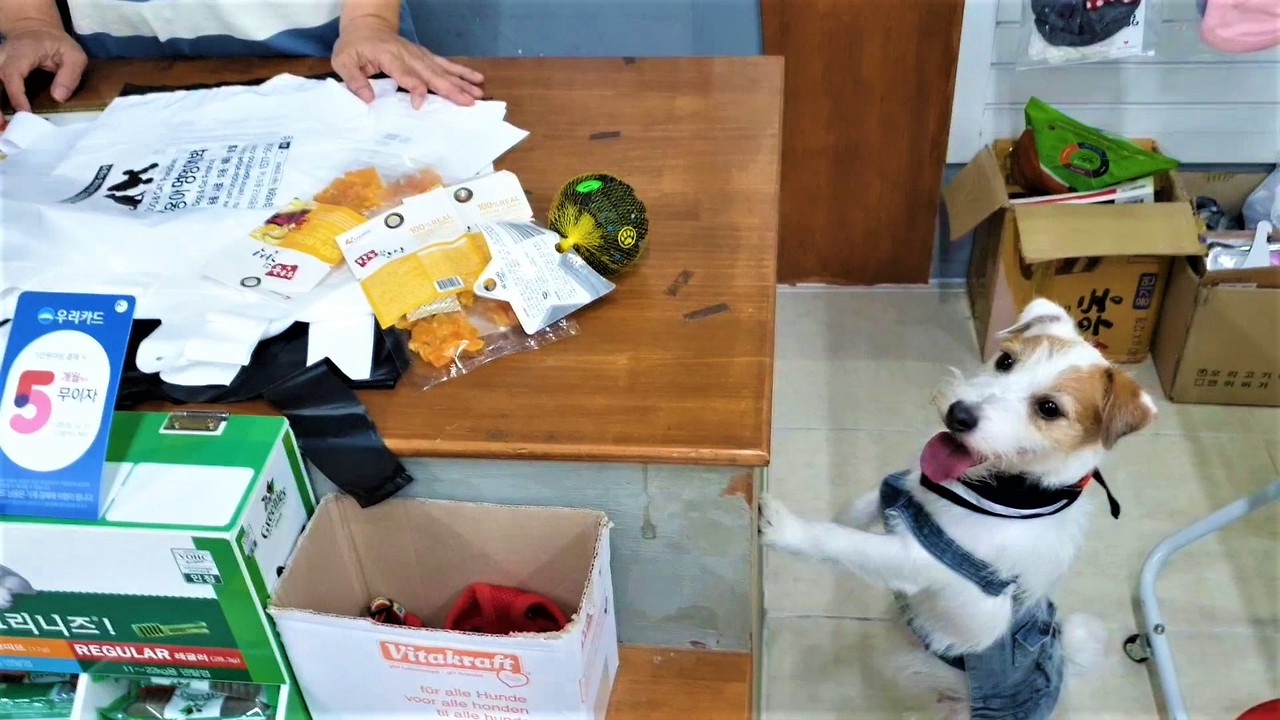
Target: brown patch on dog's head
x=1128 y=408
x=1022 y=346
x=1099 y=406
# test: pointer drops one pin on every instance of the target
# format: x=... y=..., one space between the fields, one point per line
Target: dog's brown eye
x=1004 y=363
x=1048 y=409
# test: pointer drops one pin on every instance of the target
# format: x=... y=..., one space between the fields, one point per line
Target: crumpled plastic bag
x=1264 y=203
x=136 y=201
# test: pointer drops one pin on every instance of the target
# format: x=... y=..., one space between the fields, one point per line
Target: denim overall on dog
x=1018 y=677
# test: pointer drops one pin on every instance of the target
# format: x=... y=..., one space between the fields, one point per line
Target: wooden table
x=659 y=412
x=646 y=381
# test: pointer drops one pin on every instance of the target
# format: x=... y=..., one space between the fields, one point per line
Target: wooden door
x=868 y=98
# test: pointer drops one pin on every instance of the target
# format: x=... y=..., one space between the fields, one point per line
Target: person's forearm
x=380 y=11
x=16 y=15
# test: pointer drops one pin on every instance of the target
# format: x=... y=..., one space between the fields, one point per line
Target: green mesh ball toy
x=600 y=218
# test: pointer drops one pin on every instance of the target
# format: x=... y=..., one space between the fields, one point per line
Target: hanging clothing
x=209 y=28
x=1241 y=26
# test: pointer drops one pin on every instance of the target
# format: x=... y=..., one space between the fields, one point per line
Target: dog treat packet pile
x=296 y=248
x=447 y=267
x=1059 y=154
x=179 y=701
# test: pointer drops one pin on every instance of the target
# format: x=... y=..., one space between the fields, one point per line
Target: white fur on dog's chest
x=1037 y=552
x=955 y=615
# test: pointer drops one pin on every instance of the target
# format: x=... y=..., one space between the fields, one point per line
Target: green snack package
x=167 y=702
x=31 y=701
x=1085 y=158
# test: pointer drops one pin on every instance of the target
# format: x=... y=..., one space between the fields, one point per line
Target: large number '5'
x=28 y=395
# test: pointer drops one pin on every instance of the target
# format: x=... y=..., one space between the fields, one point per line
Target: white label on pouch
x=541 y=283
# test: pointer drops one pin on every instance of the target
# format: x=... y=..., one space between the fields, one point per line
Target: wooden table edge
x=547 y=452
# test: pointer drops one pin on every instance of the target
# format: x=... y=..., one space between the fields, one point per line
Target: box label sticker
x=1145 y=293
x=138 y=635
x=1242 y=379
x=508 y=669
x=197 y=566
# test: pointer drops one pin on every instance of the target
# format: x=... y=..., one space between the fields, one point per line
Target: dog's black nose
x=961 y=417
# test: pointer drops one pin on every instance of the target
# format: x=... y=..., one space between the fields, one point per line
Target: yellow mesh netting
x=601 y=219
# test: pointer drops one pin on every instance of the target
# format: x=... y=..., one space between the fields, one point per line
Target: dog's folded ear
x=1044 y=316
x=1127 y=407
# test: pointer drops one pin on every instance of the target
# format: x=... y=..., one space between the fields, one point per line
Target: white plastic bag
x=138 y=200
x=1263 y=204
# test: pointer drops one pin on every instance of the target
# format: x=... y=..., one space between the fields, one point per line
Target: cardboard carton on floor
x=1107 y=265
x=422 y=554
x=1219 y=335
x=174 y=579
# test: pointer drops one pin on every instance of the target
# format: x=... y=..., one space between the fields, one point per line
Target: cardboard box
x=1219 y=335
x=1105 y=264
x=173 y=581
x=422 y=554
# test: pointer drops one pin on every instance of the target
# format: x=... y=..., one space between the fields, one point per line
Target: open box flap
x=1263 y=278
x=974 y=193
x=1054 y=232
x=1229 y=189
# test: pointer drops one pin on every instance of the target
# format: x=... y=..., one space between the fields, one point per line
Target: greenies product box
x=173 y=580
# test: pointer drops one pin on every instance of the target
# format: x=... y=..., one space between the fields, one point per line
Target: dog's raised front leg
x=861 y=513
x=892 y=561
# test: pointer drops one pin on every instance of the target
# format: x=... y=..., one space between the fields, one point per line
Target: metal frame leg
x=1153 y=624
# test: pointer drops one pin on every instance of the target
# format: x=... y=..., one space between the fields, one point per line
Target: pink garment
x=1241 y=26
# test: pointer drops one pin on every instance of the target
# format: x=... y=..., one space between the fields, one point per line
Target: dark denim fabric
x=1019 y=677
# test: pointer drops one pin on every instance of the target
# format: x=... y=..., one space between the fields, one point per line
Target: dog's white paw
x=779 y=528
x=6 y=598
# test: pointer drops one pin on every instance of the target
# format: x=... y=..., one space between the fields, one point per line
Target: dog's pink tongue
x=945 y=459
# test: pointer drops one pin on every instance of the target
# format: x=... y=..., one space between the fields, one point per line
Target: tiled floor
x=854 y=374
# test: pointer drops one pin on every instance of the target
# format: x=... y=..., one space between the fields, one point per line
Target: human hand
x=368 y=46
x=44 y=48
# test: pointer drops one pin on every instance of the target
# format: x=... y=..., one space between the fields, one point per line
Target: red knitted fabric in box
x=500 y=610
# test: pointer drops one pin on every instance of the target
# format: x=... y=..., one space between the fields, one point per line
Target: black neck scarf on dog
x=1015 y=496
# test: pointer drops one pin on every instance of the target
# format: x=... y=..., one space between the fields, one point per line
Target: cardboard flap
x=1264 y=277
x=1229 y=189
x=974 y=193
x=1054 y=232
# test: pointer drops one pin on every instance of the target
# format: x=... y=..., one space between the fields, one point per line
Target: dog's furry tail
x=1084 y=640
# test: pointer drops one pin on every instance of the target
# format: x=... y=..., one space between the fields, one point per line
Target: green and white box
x=173 y=580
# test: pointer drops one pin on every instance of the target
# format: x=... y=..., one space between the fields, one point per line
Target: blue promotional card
x=61 y=368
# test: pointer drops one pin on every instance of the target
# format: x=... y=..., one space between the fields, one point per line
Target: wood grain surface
x=868 y=109
x=663 y=684
x=675 y=366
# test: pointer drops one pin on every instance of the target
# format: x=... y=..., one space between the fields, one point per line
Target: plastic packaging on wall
x=1067 y=32
x=1263 y=204
x=1209 y=30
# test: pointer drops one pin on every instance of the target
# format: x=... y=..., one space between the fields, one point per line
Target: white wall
x=1203 y=107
